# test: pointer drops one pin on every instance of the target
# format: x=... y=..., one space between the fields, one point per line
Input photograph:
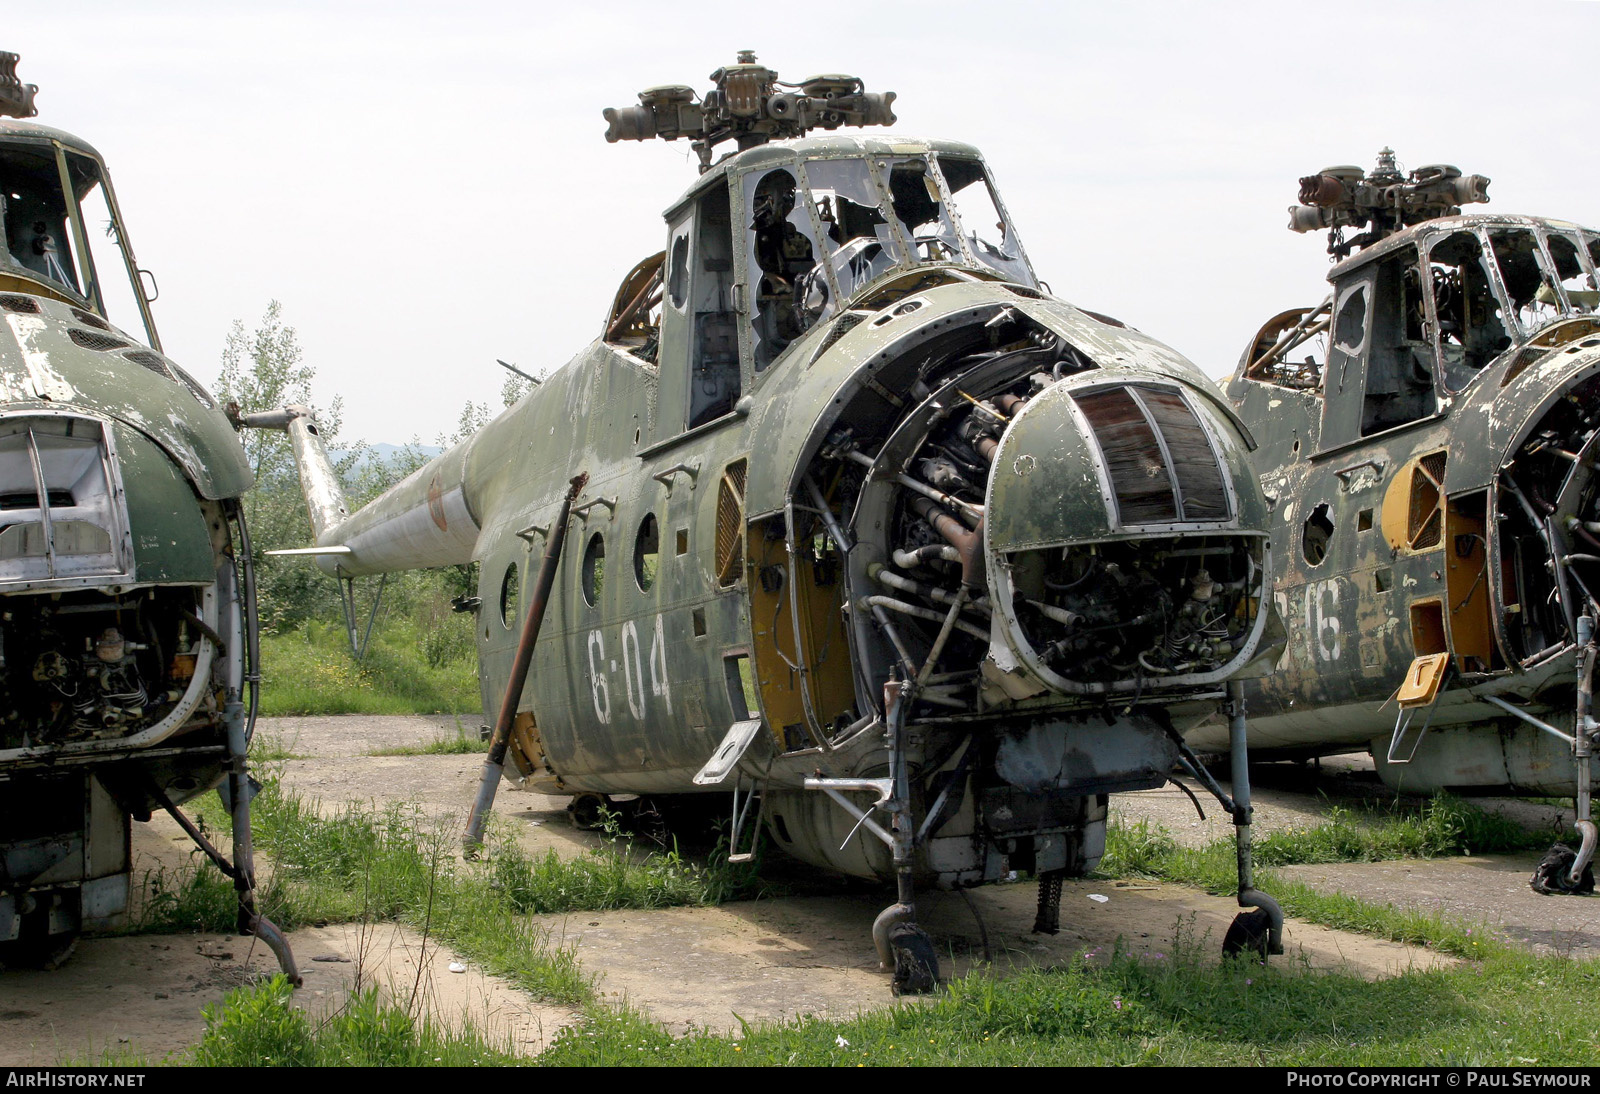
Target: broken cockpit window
x=1535 y=301
x=989 y=234
x=782 y=250
x=856 y=235
x=1399 y=380
x=1471 y=323
x=919 y=207
x=1577 y=280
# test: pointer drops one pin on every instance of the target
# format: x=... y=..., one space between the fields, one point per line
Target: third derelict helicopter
x=873 y=524
x=1433 y=477
x=128 y=672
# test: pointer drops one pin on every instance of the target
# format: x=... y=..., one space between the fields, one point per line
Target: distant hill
x=383 y=452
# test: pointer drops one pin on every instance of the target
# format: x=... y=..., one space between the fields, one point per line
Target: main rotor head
x=748 y=106
x=16 y=97
x=1344 y=197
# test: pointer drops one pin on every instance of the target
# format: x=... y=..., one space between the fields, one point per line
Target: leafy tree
x=265 y=370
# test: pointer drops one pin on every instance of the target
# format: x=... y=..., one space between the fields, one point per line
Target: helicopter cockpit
x=822 y=228
x=70 y=249
x=1414 y=320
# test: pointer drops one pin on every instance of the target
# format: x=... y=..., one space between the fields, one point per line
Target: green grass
x=1442 y=826
x=1162 y=1009
x=258 y=1027
x=1406 y=828
x=267 y=749
x=312 y=671
x=1175 y=1008
x=361 y=863
x=1500 y=1007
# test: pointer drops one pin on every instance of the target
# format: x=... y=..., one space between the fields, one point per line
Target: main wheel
x=588 y=811
x=1248 y=935
x=1551 y=878
x=916 y=966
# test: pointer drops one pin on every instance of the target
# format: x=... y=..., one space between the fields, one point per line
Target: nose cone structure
x=1121 y=552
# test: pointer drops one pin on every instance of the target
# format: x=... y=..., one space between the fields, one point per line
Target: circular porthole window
x=594 y=569
x=508 y=596
x=647 y=553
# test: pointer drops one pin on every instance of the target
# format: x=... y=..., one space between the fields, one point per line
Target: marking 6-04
x=633 y=670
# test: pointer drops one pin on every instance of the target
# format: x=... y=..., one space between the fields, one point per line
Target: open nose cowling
x=1124 y=541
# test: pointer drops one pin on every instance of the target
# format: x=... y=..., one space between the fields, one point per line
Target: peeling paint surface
x=42 y=381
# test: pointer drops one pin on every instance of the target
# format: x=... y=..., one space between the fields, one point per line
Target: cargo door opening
x=797 y=624
x=1473 y=639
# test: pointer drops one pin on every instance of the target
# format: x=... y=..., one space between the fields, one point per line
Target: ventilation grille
x=193 y=385
x=25 y=304
x=842 y=326
x=1162 y=466
x=1423 y=526
x=89 y=319
x=88 y=339
x=730 y=524
x=151 y=361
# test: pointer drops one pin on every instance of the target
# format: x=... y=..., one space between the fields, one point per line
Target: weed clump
x=260 y=1027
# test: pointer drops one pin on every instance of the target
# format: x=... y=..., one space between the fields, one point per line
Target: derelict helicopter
x=868 y=527
x=1432 y=476
x=127 y=622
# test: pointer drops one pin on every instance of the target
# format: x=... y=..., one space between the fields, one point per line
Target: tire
x=916 y=966
x=1551 y=877
x=1248 y=935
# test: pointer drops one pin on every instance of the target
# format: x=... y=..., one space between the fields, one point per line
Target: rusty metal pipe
x=968 y=544
x=908 y=560
x=494 y=764
x=250 y=922
x=1010 y=404
x=929 y=614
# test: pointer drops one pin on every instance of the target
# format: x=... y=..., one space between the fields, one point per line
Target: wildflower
x=1117 y=1002
x=841 y=1042
x=1248 y=981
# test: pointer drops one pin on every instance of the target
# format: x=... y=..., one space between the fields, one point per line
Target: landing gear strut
x=916 y=966
x=1259 y=931
x=902 y=946
x=1563 y=870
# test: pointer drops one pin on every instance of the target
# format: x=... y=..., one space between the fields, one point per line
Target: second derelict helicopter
x=1433 y=475
x=875 y=531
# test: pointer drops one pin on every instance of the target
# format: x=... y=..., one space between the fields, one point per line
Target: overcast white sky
x=426 y=186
